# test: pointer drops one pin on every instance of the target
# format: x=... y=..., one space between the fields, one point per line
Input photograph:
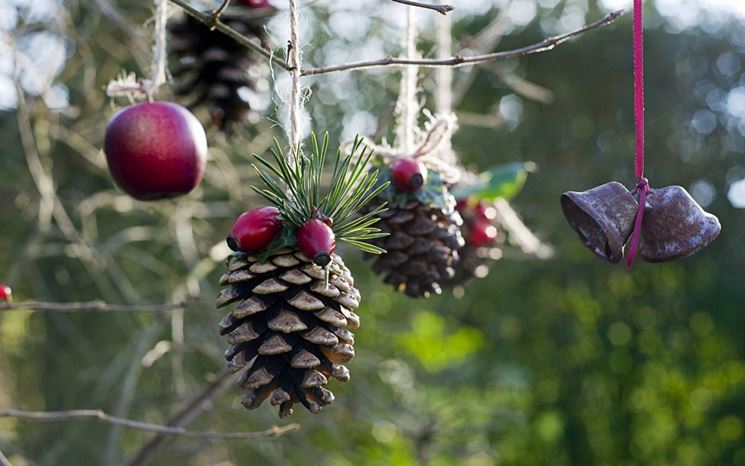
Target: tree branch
x=216 y=14
x=442 y=9
x=3 y=460
x=195 y=407
x=97 y=414
x=458 y=60
x=545 y=45
x=213 y=22
x=95 y=306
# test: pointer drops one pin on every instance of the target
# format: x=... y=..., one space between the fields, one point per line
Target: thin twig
x=207 y=19
x=95 y=306
x=193 y=409
x=3 y=460
x=458 y=60
x=442 y=9
x=97 y=414
x=217 y=13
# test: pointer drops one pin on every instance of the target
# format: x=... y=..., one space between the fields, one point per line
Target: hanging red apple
x=156 y=150
x=254 y=230
x=408 y=174
x=317 y=241
x=6 y=294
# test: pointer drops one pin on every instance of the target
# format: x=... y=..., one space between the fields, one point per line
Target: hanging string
x=407 y=106
x=642 y=185
x=444 y=80
x=160 y=54
x=295 y=97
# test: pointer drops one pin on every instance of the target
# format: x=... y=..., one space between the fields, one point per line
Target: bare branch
x=99 y=415
x=3 y=460
x=193 y=409
x=456 y=61
x=95 y=306
x=214 y=22
x=442 y=9
x=216 y=14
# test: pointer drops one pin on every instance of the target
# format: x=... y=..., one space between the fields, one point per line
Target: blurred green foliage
x=561 y=362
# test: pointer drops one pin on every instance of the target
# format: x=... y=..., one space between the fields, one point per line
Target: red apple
x=482 y=233
x=254 y=230
x=317 y=241
x=6 y=294
x=156 y=150
x=408 y=174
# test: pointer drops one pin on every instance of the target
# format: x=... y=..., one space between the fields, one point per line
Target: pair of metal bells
x=673 y=226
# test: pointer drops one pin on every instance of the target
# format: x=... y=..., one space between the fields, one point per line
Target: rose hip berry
x=482 y=233
x=155 y=150
x=6 y=294
x=484 y=211
x=408 y=174
x=255 y=3
x=316 y=240
x=254 y=230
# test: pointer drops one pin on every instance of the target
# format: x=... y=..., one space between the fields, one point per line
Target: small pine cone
x=214 y=70
x=289 y=328
x=474 y=263
x=422 y=246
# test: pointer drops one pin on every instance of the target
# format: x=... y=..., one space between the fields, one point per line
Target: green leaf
x=285 y=239
x=503 y=181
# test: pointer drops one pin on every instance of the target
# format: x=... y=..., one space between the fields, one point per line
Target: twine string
x=407 y=106
x=642 y=186
x=295 y=96
x=160 y=53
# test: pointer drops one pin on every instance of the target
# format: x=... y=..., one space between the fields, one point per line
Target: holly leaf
x=500 y=182
x=285 y=239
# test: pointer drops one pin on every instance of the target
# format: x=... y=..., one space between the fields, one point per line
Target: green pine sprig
x=298 y=190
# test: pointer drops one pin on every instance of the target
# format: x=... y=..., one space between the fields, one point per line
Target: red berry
x=6 y=294
x=256 y=3
x=254 y=230
x=484 y=211
x=156 y=150
x=408 y=174
x=461 y=204
x=317 y=241
x=482 y=233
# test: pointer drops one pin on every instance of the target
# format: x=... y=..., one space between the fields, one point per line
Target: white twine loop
x=407 y=106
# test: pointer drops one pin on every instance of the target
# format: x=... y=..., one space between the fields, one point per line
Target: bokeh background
x=564 y=361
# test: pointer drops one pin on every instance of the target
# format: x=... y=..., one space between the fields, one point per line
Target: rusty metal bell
x=675 y=226
x=603 y=217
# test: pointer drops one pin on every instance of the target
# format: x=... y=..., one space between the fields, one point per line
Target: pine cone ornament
x=294 y=297
x=215 y=71
x=483 y=242
x=290 y=327
x=424 y=230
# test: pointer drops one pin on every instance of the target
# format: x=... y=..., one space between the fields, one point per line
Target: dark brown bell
x=603 y=217
x=675 y=226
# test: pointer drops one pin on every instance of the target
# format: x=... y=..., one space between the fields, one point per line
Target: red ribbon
x=642 y=185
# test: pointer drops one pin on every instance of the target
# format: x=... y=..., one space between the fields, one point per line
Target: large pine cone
x=422 y=248
x=289 y=328
x=214 y=70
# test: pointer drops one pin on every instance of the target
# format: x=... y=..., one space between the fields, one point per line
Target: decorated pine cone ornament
x=423 y=226
x=483 y=241
x=214 y=71
x=294 y=299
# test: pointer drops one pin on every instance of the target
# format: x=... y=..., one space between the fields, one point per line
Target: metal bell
x=603 y=217
x=675 y=226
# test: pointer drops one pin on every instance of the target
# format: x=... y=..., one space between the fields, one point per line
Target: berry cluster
x=255 y=230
